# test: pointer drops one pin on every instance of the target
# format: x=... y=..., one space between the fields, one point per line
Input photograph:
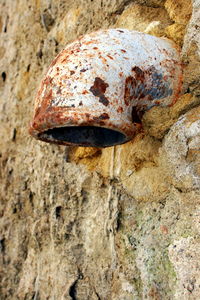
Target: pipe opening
x=88 y=136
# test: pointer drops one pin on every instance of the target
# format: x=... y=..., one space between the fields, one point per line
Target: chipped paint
x=98 y=89
x=103 y=83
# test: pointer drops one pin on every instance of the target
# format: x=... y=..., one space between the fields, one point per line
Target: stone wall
x=120 y=223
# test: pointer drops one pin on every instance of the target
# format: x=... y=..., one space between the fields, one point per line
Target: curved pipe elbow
x=96 y=88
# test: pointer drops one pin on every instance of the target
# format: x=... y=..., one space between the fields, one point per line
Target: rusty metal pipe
x=97 y=88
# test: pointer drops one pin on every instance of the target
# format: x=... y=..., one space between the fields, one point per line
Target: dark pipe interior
x=90 y=136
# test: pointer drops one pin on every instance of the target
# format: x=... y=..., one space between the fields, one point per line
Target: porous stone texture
x=142 y=18
x=120 y=223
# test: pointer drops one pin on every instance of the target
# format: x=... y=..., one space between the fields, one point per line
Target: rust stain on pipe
x=98 y=89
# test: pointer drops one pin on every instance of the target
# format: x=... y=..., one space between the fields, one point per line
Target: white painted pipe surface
x=97 y=87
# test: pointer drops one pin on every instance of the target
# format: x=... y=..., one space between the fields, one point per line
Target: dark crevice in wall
x=122 y=8
x=98 y=297
x=3 y=75
x=72 y=290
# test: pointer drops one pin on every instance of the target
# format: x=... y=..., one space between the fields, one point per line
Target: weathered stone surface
x=176 y=32
x=120 y=223
x=179 y=11
x=185 y=256
x=182 y=151
x=147 y=15
x=158 y=120
x=190 y=52
x=151 y=3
